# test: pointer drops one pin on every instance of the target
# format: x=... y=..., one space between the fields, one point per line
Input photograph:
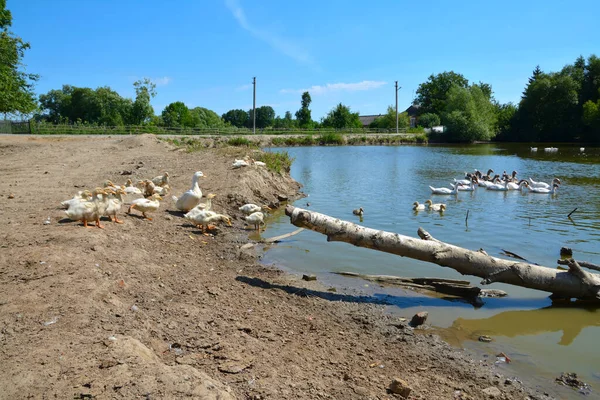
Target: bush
x=331 y=138
x=276 y=161
x=239 y=141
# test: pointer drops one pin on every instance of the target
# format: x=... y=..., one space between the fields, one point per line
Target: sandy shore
x=154 y=309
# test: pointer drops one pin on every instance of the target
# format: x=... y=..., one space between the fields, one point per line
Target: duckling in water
x=358 y=211
x=420 y=207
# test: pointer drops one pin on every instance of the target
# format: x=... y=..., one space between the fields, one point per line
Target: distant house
x=366 y=120
x=412 y=113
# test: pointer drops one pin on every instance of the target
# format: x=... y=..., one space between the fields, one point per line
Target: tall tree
x=237 y=118
x=469 y=114
x=303 y=114
x=205 y=118
x=142 y=110
x=265 y=116
x=431 y=95
x=16 y=85
x=176 y=115
x=340 y=117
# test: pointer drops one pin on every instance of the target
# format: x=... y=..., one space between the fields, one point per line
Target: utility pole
x=397 y=88
x=254 y=106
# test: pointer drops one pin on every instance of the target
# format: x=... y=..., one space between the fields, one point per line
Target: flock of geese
x=90 y=205
x=489 y=181
x=552 y=149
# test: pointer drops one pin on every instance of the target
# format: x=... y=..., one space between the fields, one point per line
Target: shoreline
x=209 y=320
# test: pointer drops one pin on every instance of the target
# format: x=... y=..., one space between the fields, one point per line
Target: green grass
x=330 y=138
x=278 y=161
x=240 y=141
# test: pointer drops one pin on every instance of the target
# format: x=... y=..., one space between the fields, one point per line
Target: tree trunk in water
x=563 y=284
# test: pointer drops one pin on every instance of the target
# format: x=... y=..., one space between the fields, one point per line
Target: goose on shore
x=192 y=197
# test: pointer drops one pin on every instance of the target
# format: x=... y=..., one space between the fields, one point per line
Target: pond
x=541 y=340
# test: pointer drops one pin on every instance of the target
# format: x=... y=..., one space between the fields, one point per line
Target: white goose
x=517 y=186
x=543 y=185
x=445 y=190
x=544 y=190
x=466 y=187
x=239 y=164
x=192 y=197
x=500 y=186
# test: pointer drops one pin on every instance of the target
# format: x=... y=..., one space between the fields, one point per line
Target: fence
x=49 y=129
x=20 y=127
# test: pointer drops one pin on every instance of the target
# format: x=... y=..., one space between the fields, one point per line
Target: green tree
x=205 y=118
x=265 y=116
x=429 y=120
x=142 y=110
x=177 y=115
x=469 y=114
x=284 y=123
x=16 y=85
x=56 y=104
x=71 y=104
x=237 y=118
x=114 y=110
x=303 y=114
x=388 y=120
x=431 y=95
x=505 y=114
x=340 y=117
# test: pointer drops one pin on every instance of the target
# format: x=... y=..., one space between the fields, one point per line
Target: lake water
x=541 y=340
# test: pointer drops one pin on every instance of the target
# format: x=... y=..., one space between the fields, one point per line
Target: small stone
x=508 y=382
x=492 y=392
x=400 y=387
x=274 y=204
x=169 y=218
x=309 y=277
x=126 y=172
x=282 y=197
x=11 y=196
x=419 y=318
x=485 y=338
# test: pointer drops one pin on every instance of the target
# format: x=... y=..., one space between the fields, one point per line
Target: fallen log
x=583 y=264
x=277 y=239
x=452 y=287
x=574 y=283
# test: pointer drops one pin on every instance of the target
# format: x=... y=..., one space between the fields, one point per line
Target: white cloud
x=281 y=44
x=164 y=81
x=338 y=87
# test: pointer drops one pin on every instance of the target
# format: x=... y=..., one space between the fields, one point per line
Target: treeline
x=559 y=106
x=105 y=107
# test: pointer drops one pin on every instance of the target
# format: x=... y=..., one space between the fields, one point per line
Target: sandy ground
x=154 y=309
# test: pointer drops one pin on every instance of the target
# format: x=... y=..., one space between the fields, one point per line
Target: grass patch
x=240 y=141
x=331 y=138
x=277 y=161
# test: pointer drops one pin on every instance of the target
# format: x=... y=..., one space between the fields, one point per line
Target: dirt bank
x=157 y=310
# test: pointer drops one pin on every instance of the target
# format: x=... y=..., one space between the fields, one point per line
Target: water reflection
x=568 y=320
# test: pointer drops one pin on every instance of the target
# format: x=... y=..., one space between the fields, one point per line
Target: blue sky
x=205 y=53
